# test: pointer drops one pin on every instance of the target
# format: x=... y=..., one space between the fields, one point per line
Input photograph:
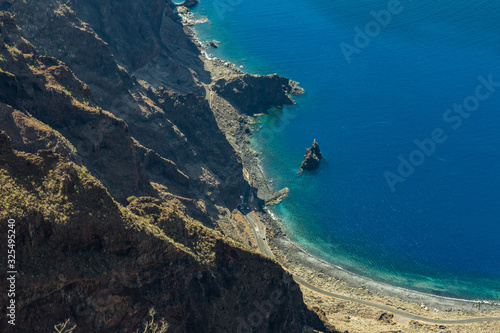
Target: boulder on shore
x=311 y=158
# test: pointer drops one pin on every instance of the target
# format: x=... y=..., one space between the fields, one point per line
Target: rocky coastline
x=297 y=260
x=104 y=116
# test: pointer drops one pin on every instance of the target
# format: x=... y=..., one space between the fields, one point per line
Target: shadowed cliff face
x=43 y=105
x=179 y=128
x=146 y=37
x=106 y=268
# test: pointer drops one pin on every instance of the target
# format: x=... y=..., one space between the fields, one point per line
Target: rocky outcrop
x=255 y=94
x=96 y=266
x=214 y=44
x=312 y=158
x=278 y=197
x=31 y=135
x=104 y=42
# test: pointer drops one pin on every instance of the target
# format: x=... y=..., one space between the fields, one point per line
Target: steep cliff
x=178 y=126
x=86 y=261
x=45 y=106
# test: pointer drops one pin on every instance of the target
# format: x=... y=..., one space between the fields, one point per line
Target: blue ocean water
x=438 y=231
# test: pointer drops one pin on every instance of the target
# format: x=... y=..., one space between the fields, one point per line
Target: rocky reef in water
x=312 y=158
x=114 y=167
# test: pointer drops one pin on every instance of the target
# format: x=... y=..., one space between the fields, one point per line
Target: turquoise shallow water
x=438 y=231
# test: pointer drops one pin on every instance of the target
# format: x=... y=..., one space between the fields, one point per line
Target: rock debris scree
x=311 y=158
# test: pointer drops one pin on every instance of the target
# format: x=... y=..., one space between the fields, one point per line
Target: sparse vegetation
x=152 y=325
x=14 y=51
x=65 y=327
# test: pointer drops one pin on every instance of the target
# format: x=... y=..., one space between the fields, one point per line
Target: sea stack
x=311 y=158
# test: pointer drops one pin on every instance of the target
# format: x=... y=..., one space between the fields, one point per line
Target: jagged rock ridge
x=312 y=158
